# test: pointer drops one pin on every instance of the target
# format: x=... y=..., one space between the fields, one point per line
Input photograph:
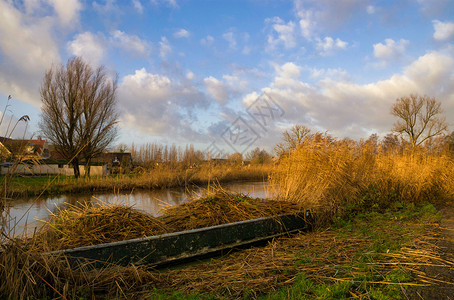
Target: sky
x=233 y=75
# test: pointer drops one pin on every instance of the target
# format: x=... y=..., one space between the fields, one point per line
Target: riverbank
x=372 y=254
x=154 y=179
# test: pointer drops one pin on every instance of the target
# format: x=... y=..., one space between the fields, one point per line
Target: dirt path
x=445 y=289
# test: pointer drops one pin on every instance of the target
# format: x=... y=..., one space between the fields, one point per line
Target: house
x=117 y=162
x=25 y=149
x=36 y=157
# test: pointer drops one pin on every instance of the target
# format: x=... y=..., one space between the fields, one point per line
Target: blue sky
x=189 y=69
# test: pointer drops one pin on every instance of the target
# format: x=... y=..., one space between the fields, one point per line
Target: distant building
x=24 y=149
x=117 y=162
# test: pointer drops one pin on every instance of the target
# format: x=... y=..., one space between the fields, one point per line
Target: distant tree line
x=151 y=155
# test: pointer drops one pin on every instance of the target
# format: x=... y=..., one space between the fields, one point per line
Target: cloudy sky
x=192 y=71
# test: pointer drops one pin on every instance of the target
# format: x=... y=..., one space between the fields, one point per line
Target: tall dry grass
x=332 y=175
x=162 y=177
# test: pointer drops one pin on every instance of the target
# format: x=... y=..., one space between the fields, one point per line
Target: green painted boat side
x=171 y=247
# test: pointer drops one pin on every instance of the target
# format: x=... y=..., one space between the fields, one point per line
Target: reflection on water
x=26 y=213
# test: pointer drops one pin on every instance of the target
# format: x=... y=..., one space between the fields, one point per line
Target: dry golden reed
x=99 y=223
x=331 y=175
x=221 y=207
x=96 y=223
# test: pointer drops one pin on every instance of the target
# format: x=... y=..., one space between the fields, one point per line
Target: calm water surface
x=27 y=213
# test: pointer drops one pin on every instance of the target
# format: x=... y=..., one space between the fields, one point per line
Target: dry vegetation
x=161 y=177
x=347 y=260
x=337 y=175
x=86 y=225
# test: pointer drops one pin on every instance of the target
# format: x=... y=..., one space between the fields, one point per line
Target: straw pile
x=222 y=207
x=87 y=224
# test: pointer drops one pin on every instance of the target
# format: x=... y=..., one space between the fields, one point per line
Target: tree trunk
x=75 y=164
x=87 y=168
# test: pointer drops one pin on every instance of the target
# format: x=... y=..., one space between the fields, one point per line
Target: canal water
x=28 y=214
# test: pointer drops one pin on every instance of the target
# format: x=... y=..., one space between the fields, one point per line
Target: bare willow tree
x=420 y=118
x=79 y=111
x=292 y=139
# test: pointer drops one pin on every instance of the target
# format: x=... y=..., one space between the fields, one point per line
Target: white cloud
x=370 y=9
x=307 y=24
x=27 y=49
x=318 y=15
x=288 y=77
x=328 y=45
x=67 y=10
x=337 y=74
x=230 y=38
x=190 y=75
x=217 y=89
x=165 y=48
x=391 y=50
x=89 y=46
x=283 y=33
x=235 y=83
x=229 y=87
x=138 y=6
x=156 y=105
x=207 y=41
x=171 y=3
x=345 y=108
x=182 y=33
x=443 y=30
x=131 y=43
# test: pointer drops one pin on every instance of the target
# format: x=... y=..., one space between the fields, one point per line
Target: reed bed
x=334 y=175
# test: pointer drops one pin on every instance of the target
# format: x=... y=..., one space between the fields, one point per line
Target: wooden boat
x=173 y=247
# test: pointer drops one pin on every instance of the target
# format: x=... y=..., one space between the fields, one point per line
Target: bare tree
x=419 y=118
x=78 y=110
x=292 y=139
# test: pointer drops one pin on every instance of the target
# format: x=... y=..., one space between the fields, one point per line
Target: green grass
x=365 y=275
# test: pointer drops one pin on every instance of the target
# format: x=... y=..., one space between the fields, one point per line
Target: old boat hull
x=172 y=247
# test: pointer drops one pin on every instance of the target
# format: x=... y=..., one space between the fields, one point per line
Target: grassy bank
x=372 y=256
x=154 y=179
